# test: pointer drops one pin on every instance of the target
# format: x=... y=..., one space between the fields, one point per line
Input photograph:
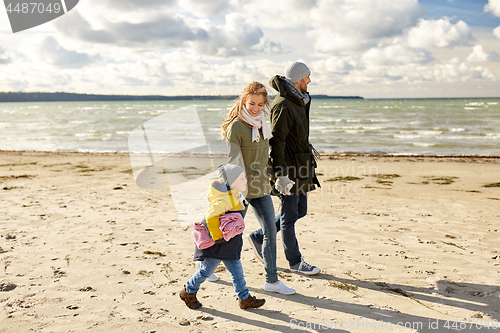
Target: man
x=292 y=160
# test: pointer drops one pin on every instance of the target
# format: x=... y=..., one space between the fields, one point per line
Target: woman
x=247 y=135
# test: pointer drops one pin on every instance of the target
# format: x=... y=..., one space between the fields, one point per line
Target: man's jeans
x=293 y=207
x=208 y=267
x=263 y=209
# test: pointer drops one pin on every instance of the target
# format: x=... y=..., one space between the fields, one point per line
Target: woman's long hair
x=254 y=88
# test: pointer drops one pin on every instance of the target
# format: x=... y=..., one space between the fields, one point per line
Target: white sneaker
x=278 y=287
x=211 y=278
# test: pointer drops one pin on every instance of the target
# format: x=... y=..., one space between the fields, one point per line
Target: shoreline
x=323 y=155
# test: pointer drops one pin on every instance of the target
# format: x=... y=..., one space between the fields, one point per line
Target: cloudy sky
x=369 y=48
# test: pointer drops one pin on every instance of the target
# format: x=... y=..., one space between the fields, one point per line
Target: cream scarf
x=256 y=123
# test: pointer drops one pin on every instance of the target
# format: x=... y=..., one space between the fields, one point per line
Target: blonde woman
x=247 y=134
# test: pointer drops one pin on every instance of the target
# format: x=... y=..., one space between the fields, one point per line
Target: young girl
x=224 y=196
x=248 y=134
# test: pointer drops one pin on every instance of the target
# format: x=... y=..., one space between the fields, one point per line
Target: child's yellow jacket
x=222 y=200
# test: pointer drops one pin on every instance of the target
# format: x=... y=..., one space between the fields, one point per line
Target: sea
x=337 y=126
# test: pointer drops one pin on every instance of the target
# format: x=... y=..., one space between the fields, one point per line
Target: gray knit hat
x=297 y=71
x=228 y=173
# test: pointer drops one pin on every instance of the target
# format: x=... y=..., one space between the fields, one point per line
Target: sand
x=400 y=240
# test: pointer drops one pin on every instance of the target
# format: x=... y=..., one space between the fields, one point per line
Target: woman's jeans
x=208 y=267
x=293 y=207
x=263 y=209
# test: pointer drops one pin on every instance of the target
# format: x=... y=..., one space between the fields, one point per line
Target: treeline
x=72 y=97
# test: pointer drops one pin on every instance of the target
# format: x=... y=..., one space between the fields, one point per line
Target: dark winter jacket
x=291 y=153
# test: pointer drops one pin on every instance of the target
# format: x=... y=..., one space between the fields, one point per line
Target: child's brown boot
x=251 y=302
x=190 y=299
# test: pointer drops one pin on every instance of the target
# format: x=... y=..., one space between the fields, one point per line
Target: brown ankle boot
x=251 y=302
x=190 y=299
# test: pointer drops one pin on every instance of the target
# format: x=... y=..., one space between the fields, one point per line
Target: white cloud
x=340 y=71
x=162 y=31
x=345 y=25
x=6 y=57
x=496 y=32
x=493 y=6
x=204 y=8
x=170 y=73
x=278 y=14
x=234 y=38
x=454 y=71
x=335 y=64
x=49 y=51
x=478 y=54
x=135 y=5
x=396 y=55
x=440 y=33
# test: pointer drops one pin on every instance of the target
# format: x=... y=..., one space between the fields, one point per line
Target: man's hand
x=284 y=185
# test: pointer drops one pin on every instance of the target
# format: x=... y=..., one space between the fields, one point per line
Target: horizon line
x=229 y=96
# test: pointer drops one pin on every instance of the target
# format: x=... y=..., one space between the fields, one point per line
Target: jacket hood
x=216 y=190
x=278 y=83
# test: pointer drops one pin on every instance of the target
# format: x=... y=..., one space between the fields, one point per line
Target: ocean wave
x=379 y=120
x=471 y=137
x=40 y=138
x=327 y=120
x=407 y=136
x=31 y=125
x=373 y=128
x=423 y=144
x=330 y=130
x=79 y=122
x=429 y=133
x=88 y=108
x=331 y=106
x=80 y=135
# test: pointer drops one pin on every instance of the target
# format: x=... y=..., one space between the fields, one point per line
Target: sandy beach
x=405 y=244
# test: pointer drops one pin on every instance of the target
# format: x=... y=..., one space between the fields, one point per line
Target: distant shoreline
x=73 y=97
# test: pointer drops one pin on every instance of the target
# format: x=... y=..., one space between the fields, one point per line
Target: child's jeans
x=208 y=267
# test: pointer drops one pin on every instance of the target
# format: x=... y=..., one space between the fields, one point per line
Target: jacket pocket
x=303 y=166
x=302 y=127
